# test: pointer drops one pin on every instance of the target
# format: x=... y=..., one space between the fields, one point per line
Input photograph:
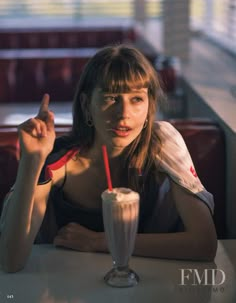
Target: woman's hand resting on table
x=37 y=135
x=79 y=238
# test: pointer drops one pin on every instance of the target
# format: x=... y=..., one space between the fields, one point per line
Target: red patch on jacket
x=193 y=171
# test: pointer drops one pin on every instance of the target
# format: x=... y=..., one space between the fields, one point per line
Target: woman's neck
x=94 y=156
x=114 y=152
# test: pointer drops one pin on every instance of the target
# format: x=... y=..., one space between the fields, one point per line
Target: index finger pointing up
x=44 y=106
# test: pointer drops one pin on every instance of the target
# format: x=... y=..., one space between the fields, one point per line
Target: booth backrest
x=9 y=157
x=27 y=74
x=38 y=60
x=204 y=139
x=206 y=143
x=74 y=37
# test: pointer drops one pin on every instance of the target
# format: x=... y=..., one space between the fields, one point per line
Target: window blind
x=74 y=8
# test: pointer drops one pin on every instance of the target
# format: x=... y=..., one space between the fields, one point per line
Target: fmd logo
x=194 y=277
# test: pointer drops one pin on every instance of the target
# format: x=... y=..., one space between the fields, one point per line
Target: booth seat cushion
x=9 y=156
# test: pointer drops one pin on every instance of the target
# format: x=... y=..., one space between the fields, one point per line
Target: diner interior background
x=192 y=45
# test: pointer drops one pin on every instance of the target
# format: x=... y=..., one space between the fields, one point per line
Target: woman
x=59 y=182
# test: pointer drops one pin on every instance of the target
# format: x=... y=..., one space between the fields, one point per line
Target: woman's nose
x=123 y=109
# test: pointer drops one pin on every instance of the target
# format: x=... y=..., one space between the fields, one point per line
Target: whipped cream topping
x=120 y=194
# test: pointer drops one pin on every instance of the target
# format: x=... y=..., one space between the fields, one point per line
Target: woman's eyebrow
x=132 y=91
x=138 y=92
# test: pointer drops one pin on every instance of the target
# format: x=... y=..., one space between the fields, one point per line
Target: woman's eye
x=110 y=98
x=137 y=99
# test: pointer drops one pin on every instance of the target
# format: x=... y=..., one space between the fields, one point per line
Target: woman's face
x=118 y=118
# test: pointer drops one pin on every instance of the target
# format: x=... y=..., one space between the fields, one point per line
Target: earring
x=89 y=121
x=145 y=123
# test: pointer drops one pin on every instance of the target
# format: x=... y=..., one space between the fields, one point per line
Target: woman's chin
x=120 y=142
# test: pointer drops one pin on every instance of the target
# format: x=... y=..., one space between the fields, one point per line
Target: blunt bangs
x=119 y=69
x=120 y=76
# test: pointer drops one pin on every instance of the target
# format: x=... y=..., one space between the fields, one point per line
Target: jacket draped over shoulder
x=176 y=164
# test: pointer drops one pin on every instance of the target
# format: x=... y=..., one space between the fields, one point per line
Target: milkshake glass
x=120 y=216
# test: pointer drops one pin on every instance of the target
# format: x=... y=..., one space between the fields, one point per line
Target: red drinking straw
x=107 y=168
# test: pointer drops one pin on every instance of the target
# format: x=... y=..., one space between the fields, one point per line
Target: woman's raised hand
x=37 y=135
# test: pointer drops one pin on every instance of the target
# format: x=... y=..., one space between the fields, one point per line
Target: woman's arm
x=25 y=207
x=22 y=216
x=197 y=242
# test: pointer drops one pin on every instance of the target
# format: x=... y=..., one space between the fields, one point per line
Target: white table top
x=16 y=113
x=66 y=276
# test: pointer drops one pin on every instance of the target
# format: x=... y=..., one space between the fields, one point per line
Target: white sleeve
x=175 y=160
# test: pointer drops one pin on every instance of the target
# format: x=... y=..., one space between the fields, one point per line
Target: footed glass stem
x=121 y=277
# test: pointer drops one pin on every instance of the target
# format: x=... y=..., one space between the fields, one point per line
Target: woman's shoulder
x=62 y=145
x=167 y=132
x=63 y=142
x=173 y=148
x=163 y=124
x=63 y=150
x=171 y=141
x=174 y=155
x=175 y=161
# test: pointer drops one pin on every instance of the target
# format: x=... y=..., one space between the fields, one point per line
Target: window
x=217 y=19
x=76 y=9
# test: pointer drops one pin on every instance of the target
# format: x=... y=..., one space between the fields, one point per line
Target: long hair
x=115 y=69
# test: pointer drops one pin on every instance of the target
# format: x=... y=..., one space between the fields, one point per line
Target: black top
x=66 y=211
